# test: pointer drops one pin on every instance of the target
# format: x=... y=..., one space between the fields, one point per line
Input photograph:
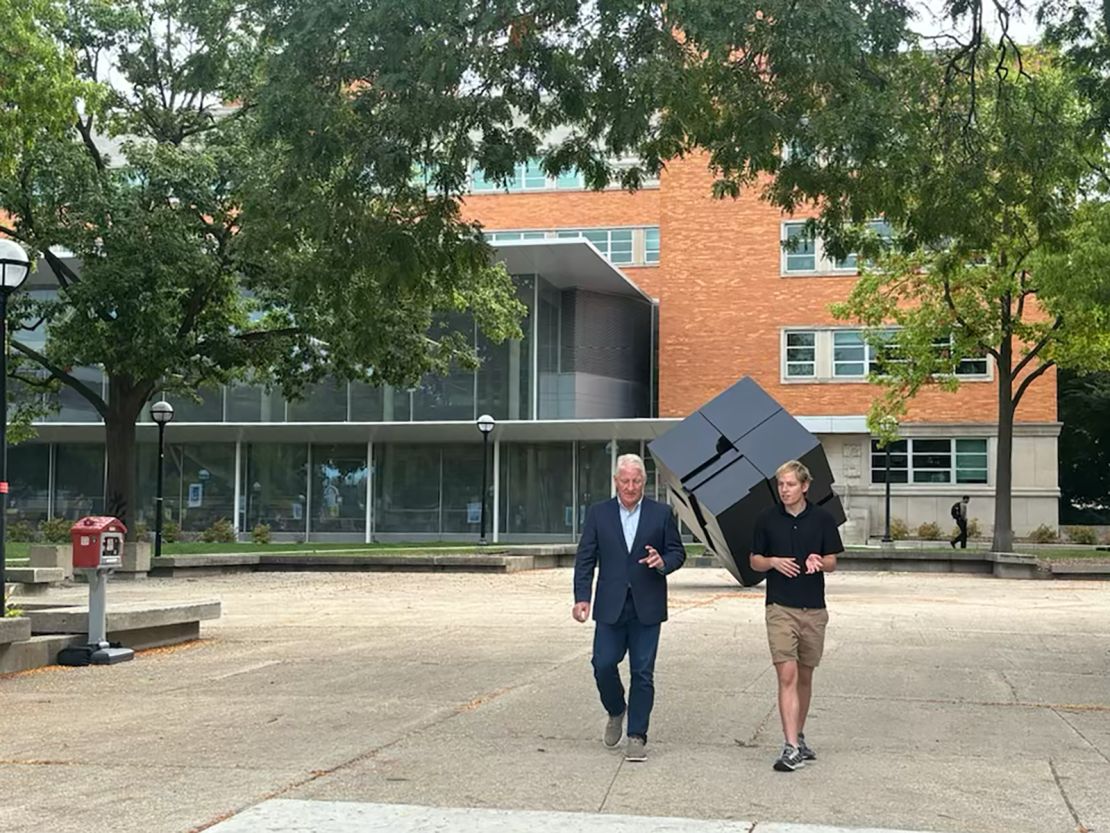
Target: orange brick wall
x=722 y=301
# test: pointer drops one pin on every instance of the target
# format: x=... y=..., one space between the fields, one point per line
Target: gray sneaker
x=636 y=749
x=807 y=754
x=789 y=760
x=614 y=728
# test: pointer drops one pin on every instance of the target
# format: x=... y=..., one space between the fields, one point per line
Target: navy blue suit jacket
x=602 y=546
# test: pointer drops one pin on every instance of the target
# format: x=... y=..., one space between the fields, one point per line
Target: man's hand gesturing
x=787 y=566
x=581 y=611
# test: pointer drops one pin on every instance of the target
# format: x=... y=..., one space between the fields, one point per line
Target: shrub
x=55 y=530
x=973 y=529
x=1043 y=534
x=1081 y=534
x=261 y=534
x=929 y=531
x=898 y=529
x=221 y=532
x=20 y=530
x=171 y=531
x=141 y=530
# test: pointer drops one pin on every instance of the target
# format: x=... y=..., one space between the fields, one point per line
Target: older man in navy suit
x=634 y=543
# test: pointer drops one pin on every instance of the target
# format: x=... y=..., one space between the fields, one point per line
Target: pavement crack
x=1086 y=739
x=609 y=789
x=1009 y=683
x=1079 y=826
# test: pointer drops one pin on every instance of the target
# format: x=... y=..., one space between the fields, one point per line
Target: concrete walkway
x=292 y=816
x=945 y=703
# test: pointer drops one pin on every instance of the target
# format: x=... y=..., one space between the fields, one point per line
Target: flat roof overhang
x=561 y=430
x=567 y=263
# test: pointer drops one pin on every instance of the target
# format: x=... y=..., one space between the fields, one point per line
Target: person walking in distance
x=959 y=515
x=633 y=544
x=795 y=543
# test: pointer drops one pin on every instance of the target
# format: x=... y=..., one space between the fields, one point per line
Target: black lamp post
x=485 y=425
x=891 y=427
x=14 y=267
x=162 y=413
x=886 y=483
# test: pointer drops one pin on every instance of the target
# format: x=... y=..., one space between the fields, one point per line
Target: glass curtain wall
x=339 y=479
x=274 y=486
x=406 y=488
x=537 y=489
x=78 y=480
x=29 y=476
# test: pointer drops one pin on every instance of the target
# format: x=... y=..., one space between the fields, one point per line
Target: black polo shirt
x=778 y=533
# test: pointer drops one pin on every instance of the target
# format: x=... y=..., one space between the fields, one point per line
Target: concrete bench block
x=14 y=629
x=58 y=556
x=122 y=617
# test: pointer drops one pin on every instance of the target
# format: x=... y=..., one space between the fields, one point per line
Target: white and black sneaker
x=790 y=759
x=807 y=753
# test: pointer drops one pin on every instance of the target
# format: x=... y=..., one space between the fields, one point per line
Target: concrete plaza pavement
x=945 y=703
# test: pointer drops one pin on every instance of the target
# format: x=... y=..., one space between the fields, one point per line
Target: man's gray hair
x=632 y=461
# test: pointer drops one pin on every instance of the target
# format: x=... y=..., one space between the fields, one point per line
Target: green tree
x=38 y=86
x=194 y=268
x=1003 y=249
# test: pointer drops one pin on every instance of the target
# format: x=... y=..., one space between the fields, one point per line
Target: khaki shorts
x=796 y=634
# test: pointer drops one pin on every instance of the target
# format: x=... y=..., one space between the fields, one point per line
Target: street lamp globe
x=14 y=265
x=161 y=412
x=486 y=423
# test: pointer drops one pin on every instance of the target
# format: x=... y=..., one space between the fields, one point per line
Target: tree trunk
x=1003 y=540
x=125 y=402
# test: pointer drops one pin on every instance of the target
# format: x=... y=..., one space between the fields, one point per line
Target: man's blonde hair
x=796 y=468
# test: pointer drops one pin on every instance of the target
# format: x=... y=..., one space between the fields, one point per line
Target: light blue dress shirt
x=630 y=521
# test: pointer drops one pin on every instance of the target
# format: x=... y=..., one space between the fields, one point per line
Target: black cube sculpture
x=719 y=466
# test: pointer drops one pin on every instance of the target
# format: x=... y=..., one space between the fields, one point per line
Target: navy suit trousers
x=641 y=643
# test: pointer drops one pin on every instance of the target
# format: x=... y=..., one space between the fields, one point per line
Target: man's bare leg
x=805 y=694
x=788 y=699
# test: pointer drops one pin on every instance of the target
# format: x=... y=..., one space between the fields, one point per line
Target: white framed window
x=651 y=245
x=944 y=460
x=846 y=354
x=802 y=254
x=850 y=354
x=800 y=354
x=620 y=246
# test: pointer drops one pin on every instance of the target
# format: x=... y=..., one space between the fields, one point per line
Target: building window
x=526 y=176
x=849 y=354
x=929 y=460
x=651 y=245
x=620 y=246
x=971 y=461
x=800 y=249
x=801 y=354
x=804 y=254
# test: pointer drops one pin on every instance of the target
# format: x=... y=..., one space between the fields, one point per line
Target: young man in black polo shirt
x=796 y=543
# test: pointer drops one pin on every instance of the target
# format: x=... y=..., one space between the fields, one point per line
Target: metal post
x=3 y=451
x=886 y=478
x=485 y=458
x=158 y=513
x=98 y=608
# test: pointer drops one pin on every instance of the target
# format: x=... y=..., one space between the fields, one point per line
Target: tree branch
x=1020 y=366
x=85 y=129
x=72 y=381
x=1028 y=380
x=30 y=381
x=990 y=351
